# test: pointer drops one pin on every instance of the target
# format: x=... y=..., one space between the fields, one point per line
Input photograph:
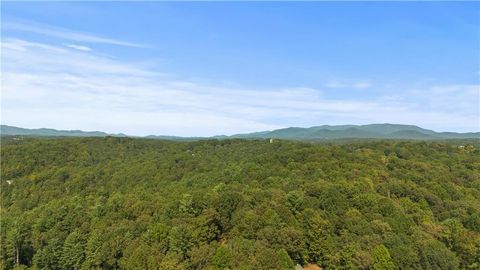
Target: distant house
x=271 y=140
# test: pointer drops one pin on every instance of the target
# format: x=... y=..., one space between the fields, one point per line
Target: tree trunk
x=17 y=256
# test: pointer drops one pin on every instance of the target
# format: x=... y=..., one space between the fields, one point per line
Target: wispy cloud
x=450 y=98
x=79 y=47
x=67 y=34
x=354 y=85
x=53 y=86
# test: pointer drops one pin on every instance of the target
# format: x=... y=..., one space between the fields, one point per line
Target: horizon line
x=245 y=133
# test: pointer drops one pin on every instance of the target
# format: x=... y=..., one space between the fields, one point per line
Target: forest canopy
x=123 y=203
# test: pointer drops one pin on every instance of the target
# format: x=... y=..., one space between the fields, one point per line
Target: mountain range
x=6 y=130
x=325 y=132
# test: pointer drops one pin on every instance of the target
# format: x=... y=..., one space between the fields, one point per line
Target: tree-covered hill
x=372 y=131
x=122 y=203
x=318 y=133
x=6 y=130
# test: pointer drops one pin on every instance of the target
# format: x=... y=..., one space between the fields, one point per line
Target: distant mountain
x=325 y=132
x=10 y=130
x=372 y=131
x=178 y=138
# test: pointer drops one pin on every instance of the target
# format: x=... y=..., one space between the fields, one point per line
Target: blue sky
x=207 y=68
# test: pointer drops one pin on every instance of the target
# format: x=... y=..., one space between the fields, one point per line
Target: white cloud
x=52 y=86
x=450 y=98
x=67 y=34
x=355 y=85
x=79 y=47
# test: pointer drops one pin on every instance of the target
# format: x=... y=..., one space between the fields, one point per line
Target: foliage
x=382 y=259
x=123 y=203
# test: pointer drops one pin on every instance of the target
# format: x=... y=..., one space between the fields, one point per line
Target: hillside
x=373 y=131
x=326 y=132
x=124 y=203
x=48 y=132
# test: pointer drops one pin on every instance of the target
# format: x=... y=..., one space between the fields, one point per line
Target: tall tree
x=382 y=259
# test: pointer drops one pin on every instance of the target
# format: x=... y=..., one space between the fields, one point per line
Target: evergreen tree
x=73 y=253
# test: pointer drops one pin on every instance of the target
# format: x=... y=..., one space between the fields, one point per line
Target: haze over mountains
x=325 y=132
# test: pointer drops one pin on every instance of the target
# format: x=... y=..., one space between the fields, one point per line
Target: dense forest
x=123 y=203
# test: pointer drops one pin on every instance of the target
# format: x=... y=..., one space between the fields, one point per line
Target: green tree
x=15 y=241
x=382 y=259
x=434 y=255
x=295 y=201
x=284 y=259
x=73 y=253
x=49 y=256
x=319 y=237
x=222 y=258
x=179 y=241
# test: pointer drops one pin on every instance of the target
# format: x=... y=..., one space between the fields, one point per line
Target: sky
x=211 y=68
